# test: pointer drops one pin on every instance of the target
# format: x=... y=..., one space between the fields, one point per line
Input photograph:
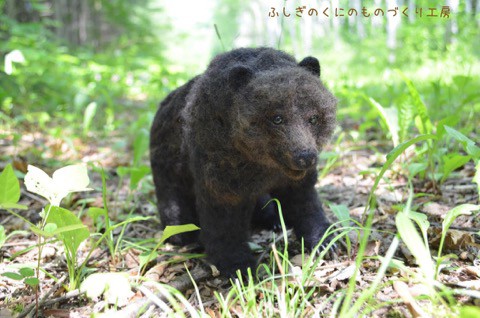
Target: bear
x=248 y=129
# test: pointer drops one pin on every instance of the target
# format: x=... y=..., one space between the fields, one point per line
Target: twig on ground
x=182 y=284
x=13 y=244
x=69 y=295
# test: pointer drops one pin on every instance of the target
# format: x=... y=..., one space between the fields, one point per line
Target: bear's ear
x=239 y=76
x=311 y=64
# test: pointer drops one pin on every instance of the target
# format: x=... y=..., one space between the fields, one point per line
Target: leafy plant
x=102 y=220
x=168 y=232
x=72 y=234
x=346 y=309
x=57 y=221
x=464 y=209
x=344 y=220
x=24 y=274
x=476 y=178
x=88 y=116
x=439 y=161
x=9 y=190
x=9 y=197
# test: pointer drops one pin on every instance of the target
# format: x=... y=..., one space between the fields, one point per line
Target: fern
x=422 y=119
x=405 y=111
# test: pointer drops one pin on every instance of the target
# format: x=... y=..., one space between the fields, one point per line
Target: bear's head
x=282 y=116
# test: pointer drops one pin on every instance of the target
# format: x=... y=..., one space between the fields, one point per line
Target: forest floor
x=347 y=183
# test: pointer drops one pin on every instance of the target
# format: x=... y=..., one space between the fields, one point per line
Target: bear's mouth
x=295 y=174
x=291 y=172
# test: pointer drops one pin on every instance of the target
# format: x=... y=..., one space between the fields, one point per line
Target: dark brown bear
x=249 y=128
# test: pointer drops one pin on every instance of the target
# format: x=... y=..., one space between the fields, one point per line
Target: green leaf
x=390 y=117
x=422 y=120
x=123 y=171
x=140 y=145
x=455 y=134
x=415 y=244
x=55 y=231
x=3 y=236
x=415 y=168
x=473 y=150
x=136 y=174
x=69 y=228
x=39 y=232
x=448 y=221
x=405 y=116
x=476 y=178
x=172 y=230
x=9 y=186
x=27 y=272
x=398 y=150
x=467 y=143
x=469 y=312
x=422 y=222
x=50 y=228
x=453 y=162
x=11 y=275
x=95 y=213
x=342 y=213
x=146 y=257
x=90 y=112
x=447 y=121
x=13 y=206
x=465 y=209
x=31 y=281
x=72 y=238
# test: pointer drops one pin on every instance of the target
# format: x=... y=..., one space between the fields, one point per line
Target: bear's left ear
x=239 y=76
x=311 y=64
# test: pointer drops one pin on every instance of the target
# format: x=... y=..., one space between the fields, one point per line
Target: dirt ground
x=347 y=183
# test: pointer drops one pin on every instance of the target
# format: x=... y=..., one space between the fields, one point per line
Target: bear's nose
x=305 y=159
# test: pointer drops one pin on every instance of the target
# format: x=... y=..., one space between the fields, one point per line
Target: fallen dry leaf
x=433 y=208
x=454 y=239
x=343 y=274
x=403 y=291
x=473 y=270
x=156 y=272
x=372 y=248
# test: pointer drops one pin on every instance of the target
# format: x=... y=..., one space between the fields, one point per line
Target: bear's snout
x=305 y=159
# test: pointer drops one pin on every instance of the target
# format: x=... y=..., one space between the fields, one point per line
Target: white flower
x=65 y=180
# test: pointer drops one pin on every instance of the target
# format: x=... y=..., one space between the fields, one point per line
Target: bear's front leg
x=224 y=232
x=302 y=209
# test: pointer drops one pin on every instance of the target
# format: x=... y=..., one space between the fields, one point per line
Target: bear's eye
x=313 y=120
x=277 y=120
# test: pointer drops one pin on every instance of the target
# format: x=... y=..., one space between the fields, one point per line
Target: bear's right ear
x=239 y=76
x=311 y=64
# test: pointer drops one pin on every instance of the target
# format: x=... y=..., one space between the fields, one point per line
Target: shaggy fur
x=247 y=129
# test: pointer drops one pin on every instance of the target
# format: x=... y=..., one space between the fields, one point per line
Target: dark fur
x=216 y=153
